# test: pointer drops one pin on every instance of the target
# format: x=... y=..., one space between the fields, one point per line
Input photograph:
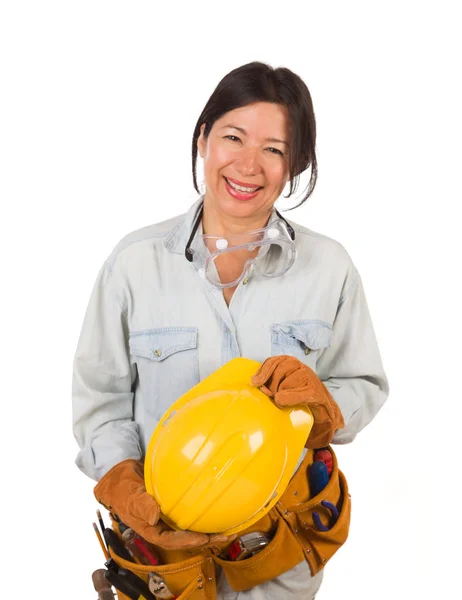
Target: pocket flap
x=312 y=334
x=158 y=344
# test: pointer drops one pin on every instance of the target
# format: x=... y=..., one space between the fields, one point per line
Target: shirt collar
x=177 y=238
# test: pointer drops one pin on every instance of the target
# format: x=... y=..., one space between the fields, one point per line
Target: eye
x=275 y=151
x=233 y=138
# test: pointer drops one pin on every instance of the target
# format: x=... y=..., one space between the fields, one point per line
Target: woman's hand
x=123 y=493
x=164 y=536
x=290 y=382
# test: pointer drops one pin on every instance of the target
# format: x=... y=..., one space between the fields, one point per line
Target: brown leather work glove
x=164 y=536
x=123 y=493
x=290 y=382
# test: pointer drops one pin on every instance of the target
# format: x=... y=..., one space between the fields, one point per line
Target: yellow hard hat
x=223 y=453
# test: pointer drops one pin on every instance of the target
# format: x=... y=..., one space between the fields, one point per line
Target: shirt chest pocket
x=303 y=339
x=167 y=362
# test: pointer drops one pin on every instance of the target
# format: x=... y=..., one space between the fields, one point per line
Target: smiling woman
x=241 y=163
x=256 y=133
x=258 y=129
x=177 y=301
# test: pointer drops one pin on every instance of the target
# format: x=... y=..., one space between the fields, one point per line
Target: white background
x=98 y=104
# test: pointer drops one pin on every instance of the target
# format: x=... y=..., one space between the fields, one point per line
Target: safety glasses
x=266 y=252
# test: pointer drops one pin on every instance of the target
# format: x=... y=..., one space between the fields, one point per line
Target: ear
x=201 y=142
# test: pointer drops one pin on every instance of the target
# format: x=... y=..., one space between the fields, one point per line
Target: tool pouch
x=280 y=555
x=297 y=508
x=295 y=536
x=186 y=574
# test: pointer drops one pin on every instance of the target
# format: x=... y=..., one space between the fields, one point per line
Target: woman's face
x=246 y=148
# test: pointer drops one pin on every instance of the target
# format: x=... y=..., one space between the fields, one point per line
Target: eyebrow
x=245 y=133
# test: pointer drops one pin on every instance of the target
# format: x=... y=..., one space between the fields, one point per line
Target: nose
x=248 y=163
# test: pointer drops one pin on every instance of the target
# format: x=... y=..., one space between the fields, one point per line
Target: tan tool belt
x=294 y=538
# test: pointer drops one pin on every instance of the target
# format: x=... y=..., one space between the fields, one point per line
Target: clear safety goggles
x=266 y=252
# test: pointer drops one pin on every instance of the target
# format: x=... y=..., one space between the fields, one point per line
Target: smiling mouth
x=243 y=189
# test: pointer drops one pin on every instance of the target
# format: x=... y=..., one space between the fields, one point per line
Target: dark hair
x=258 y=82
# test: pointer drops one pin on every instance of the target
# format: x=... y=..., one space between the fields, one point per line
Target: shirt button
x=245 y=281
x=228 y=331
x=157 y=352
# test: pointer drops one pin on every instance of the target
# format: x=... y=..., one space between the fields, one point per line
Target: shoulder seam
x=117 y=251
x=302 y=230
x=310 y=233
x=350 y=288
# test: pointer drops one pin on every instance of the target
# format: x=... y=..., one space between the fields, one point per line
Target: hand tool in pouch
x=121 y=585
x=100 y=540
x=138 y=548
x=247 y=545
x=159 y=588
x=333 y=511
x=136 y=583
x=102 y=585
x=319 y=477
x=100 y=519
x=116 y=545
x=325 y=456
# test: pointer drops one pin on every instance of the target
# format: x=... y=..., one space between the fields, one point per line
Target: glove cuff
x=107 y=488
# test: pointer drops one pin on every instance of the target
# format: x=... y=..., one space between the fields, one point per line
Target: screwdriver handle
x=319 y=477
x=121 y=585
x=116 y=545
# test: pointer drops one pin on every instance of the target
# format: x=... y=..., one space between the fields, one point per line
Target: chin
x=238 y=208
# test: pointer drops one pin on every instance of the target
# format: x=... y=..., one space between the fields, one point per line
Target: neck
x=215 y=222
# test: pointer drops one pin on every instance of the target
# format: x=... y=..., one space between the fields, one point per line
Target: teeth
x=240 y=188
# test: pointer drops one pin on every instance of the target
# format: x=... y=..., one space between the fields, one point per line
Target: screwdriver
x=116 y=545
x=138 y=548
x=319 y=477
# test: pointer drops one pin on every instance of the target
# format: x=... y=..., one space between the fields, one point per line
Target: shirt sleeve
x=102 y=382
x=351 y=368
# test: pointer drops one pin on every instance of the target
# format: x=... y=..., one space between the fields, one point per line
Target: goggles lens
x=268 y=252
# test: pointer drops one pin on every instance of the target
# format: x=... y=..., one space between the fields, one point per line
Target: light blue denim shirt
x=154 y=328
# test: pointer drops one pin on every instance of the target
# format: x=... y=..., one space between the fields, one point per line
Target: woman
x=161 y=317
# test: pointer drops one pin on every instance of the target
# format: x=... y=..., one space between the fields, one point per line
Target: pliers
x=333 y=511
